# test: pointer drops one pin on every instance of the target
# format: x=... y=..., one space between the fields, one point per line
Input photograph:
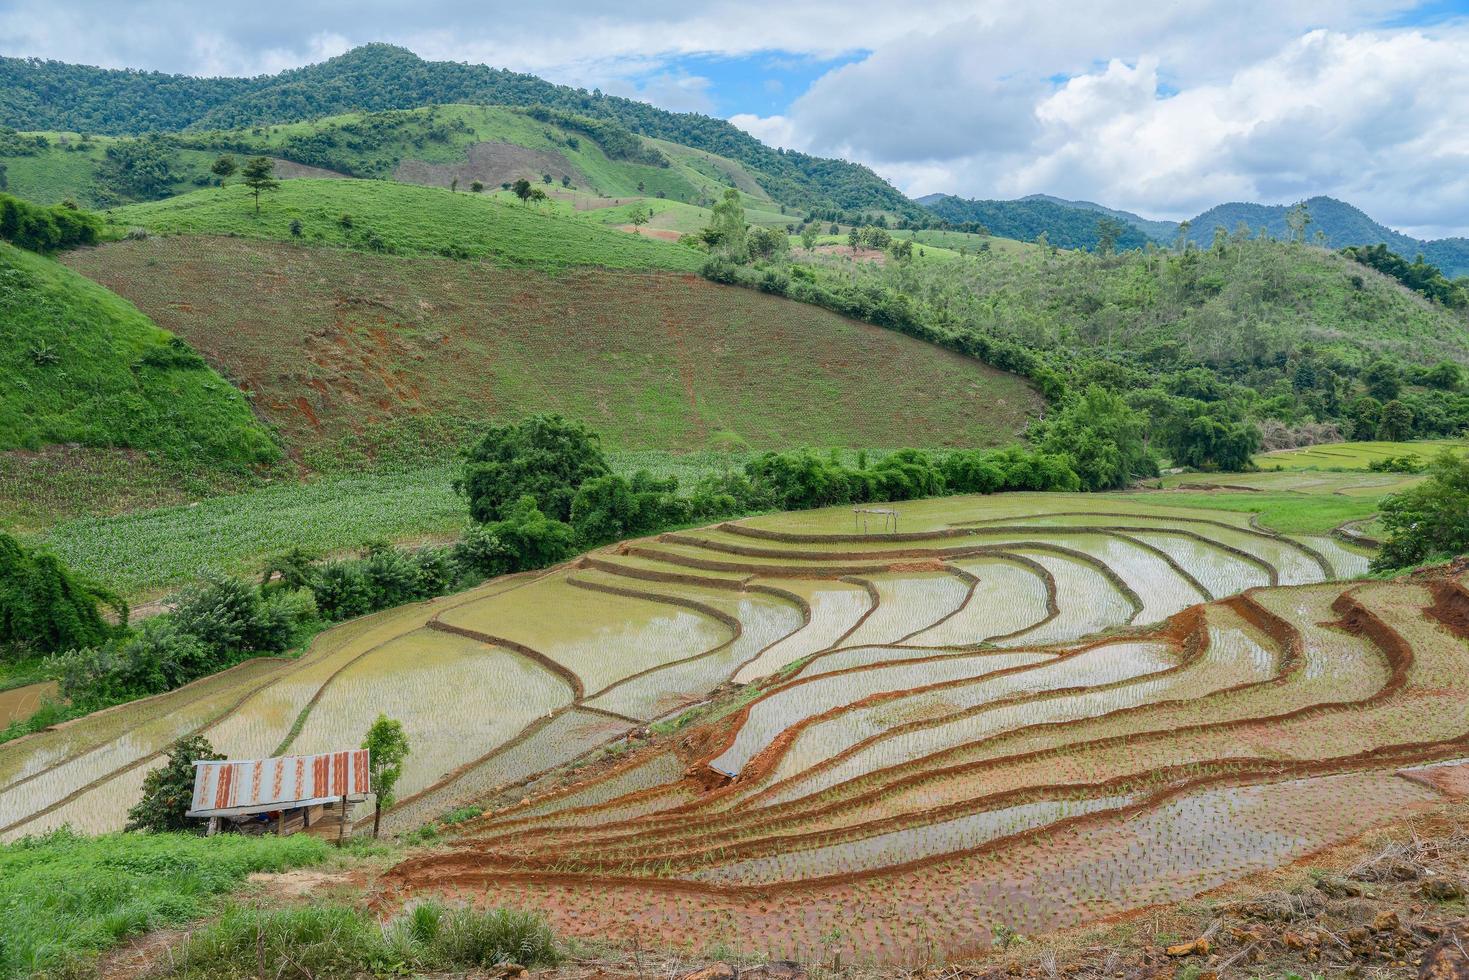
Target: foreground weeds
x=323 y=941
x=64 y=897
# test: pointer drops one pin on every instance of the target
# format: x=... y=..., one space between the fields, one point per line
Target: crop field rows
x=1021 y=712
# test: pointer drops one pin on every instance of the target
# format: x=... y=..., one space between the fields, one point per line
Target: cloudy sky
x=1163 y=108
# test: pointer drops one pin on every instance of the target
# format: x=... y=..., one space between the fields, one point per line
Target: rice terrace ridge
x=711 y=493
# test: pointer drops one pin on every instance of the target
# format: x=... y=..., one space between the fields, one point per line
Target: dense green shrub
x=44 y=607
x=609 y=508
x=168 y=791
x=215 y=625
x=46 y=229
x=1430 y=520
x=544 y=456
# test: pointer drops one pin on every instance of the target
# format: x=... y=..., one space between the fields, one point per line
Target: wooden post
x=342 y=827
x=213 y=827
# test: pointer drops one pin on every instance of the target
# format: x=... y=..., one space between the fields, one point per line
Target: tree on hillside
x=808 y=237
x=1397 y=422
x=765 y=243
x=476 y=186
x=1109 y=230
x=44 y=607
x=522 y=189
x=387 y=747
x=854 y=239
x=168 y=791
x=1103 y=437
x=224 y=168
x=639 y=217
x=454 y=186
x=537 y=195
x=546 y=457
x=1298 y=219
x=726 y=233
x=1431 y=519
x=259 y=175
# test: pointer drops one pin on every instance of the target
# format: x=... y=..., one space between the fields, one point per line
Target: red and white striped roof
x=226 y=788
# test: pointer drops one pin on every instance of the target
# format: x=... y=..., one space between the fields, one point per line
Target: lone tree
x=168 y=791
x=224 y=168
x=638 y=218
x=522 y=189
x=259 y=175
x=386 y=747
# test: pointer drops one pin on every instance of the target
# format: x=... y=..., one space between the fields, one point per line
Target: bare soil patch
x=492 y=164
x=667 y=234
x=290 y=169
x=22 y=702
x=860 y=255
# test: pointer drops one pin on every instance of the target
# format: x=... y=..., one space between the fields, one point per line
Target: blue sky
x=1163 y=109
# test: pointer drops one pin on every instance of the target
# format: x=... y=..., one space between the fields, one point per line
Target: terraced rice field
x=1025 y=711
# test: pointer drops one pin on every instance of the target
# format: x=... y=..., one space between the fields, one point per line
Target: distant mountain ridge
x=1072 y=224
x=53 y=95
x=1342 y=225
x=1160 y=231
x=1063 y=224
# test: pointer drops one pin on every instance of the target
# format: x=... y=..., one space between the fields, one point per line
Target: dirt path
x=22 y=702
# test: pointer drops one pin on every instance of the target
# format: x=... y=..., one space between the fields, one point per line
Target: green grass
x=1289 y=513
x=1354 y=455
x=66 y=897
x=410 y=220
x=82 y=365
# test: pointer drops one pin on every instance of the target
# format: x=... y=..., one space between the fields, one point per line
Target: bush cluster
x=46 y=229
x=44 y=607
x=214 y=625
x=541 y=489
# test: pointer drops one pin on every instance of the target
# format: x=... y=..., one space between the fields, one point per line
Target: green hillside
x=404 y=219
x=83 y=366
x=37 y=95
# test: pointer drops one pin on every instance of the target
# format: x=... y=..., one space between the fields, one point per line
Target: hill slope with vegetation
x=84 y=366
x=353 y=352
x=385 y=216
x=51 y=95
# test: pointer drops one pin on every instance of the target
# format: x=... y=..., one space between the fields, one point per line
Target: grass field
x=387 y=216
x=1354 y=455
x=334 y=343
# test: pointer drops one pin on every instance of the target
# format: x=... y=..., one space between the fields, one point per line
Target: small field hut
x=283 y=795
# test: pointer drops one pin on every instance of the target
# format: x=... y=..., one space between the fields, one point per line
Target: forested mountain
x=1064 y=225
x=50 y=95
x=1159 y=231
x=1341 y=223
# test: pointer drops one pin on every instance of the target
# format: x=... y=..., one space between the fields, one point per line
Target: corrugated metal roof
x=224 y=788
